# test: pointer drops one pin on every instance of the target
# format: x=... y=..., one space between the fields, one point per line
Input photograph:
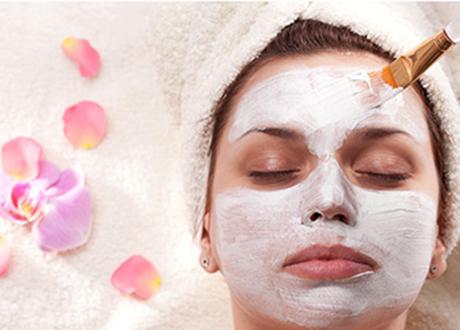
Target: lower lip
x=333 y=269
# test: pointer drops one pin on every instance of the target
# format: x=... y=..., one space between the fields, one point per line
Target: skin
x=230 y=157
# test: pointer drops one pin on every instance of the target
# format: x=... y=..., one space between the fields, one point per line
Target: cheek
x=251 y=224
x=402 y=225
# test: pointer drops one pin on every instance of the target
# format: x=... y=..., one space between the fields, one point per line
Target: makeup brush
x=399 y=74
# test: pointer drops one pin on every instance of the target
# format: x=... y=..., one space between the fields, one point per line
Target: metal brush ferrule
x=410 y=66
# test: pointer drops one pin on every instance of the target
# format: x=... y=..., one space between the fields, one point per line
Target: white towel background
x=132 y=176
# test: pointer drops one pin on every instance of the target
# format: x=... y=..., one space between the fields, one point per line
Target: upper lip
x=337 y=251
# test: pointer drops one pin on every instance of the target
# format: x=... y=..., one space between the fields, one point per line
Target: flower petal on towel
x=29 y=201
x=81 y=52
x=7 y=209
x=136 y=276
x=25 y=201
x=70 y=179
x=67 y=222
x=5 y=255
x=84 y=124
x=6 y=185
x=48 y=175
x=21 y=157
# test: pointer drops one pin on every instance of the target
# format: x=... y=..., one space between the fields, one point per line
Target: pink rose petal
x=5 y=255
x=81 y=52
x=84 y=124
x=136 y=276
x=21 y=158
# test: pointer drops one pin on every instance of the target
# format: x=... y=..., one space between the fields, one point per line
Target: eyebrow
x=371 y=133
x=281 y=132
x=374 y=133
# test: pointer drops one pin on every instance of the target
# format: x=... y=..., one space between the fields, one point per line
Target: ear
x=206 y=246
x=438 y=259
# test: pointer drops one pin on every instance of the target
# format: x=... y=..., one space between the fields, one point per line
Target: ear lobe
x=438 y=260
x=206 y=247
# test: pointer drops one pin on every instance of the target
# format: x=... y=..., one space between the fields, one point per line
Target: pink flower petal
x=136 y=276
x=48 y=175
x=5 y=255
x=7 y=209
x=6 y=185
x=29 y=201
x=70 y=179
x=84 y=124
x=67 y=223
x=21 y=157
x=81 y=52
x=24 y=201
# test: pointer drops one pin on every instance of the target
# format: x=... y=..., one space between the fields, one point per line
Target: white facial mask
x=255 y=230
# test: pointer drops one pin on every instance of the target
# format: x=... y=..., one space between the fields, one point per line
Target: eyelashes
x=273 y=174
x=387 y=177
x=291 y=174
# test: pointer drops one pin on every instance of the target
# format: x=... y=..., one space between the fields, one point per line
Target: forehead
x=340 y=60
x=277 y=92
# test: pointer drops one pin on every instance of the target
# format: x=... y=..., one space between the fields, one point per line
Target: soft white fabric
x=133 y=175
x=149 y=51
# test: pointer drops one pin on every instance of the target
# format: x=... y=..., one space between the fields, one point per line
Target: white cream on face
x=254 y=230
x=321 y=105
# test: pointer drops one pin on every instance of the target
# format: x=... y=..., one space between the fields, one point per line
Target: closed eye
x=378 y=178
x=386 y=177
x=268 y=175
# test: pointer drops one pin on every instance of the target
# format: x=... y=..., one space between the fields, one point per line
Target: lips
x=332 y=263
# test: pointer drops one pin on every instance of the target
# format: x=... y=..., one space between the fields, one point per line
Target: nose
x=330 y=196
x=334 y=213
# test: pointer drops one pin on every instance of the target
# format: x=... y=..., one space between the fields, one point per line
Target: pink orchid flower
x=56 y=204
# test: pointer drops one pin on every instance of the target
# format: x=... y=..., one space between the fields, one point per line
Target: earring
x=433 y=269
x=205 y=262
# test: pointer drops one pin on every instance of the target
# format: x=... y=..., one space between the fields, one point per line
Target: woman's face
x=301 y=161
